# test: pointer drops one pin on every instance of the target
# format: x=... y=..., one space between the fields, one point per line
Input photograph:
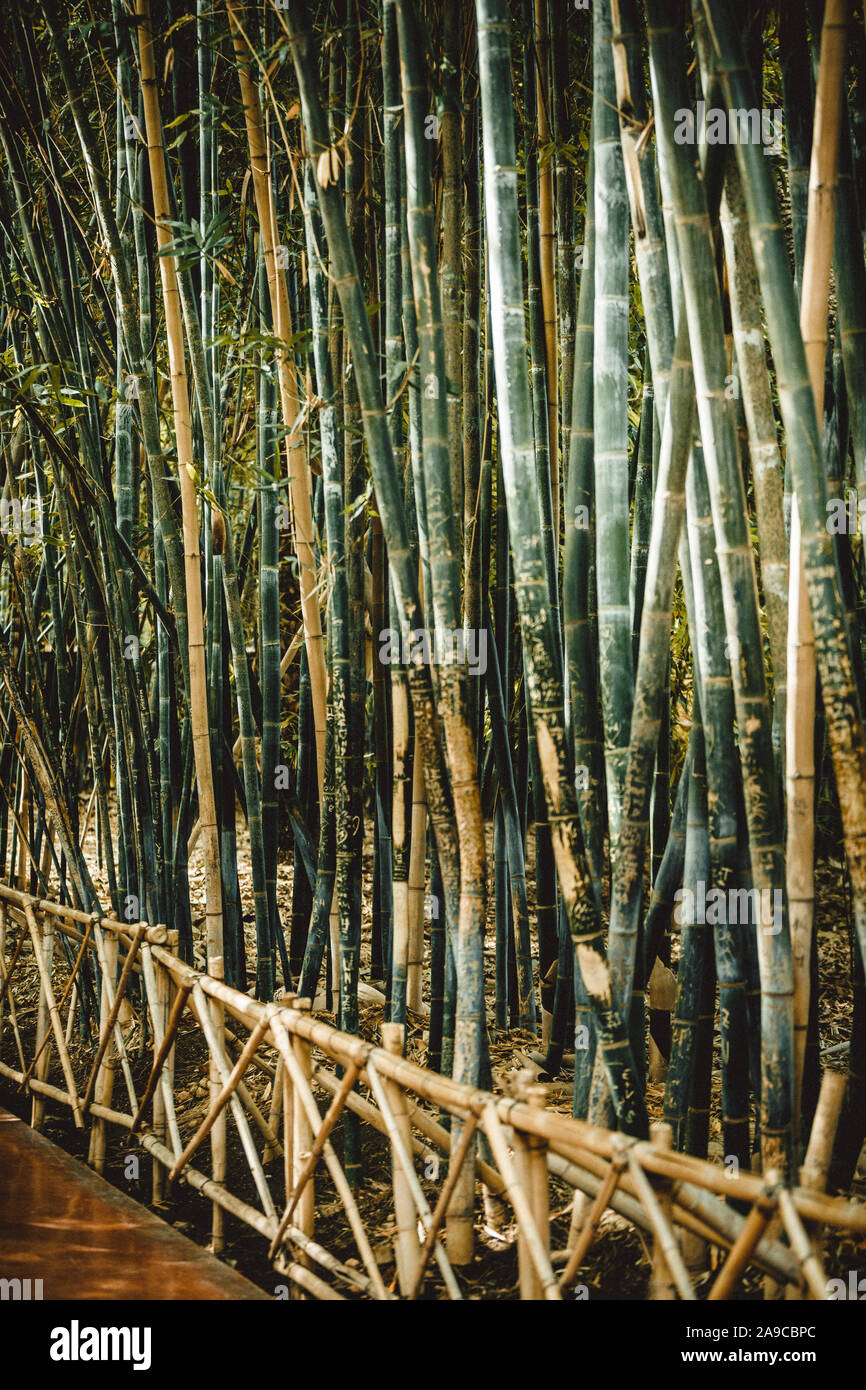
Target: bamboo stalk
x=406 y=1237
x=186 y=473
x=800 y=741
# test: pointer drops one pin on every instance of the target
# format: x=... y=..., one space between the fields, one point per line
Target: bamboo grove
x=432 y=452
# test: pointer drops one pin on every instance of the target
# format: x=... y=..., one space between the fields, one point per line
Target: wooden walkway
x=61 y=1223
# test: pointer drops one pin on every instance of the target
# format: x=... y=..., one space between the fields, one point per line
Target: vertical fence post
x=43 y=1020
x=661 y=1279
x=105 y=1076
x=219 y=1133
x=160 y=1009
x=406 y=1241
x=302 y=1134
x=530 y=1157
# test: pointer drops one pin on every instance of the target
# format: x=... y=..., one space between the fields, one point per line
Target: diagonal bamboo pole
x=405 y=1161
x=163 y=1035
x=67 y=989
x=461 y=1152
x=282 y=1041
x=331 y=1117
x=108 y=985
x=164 y=1047
x=588 y=1230
x=520 y=1202
x=749 y=1237
x=664 y=1234
x=56 y=1026
x=115 y=1008
x=222 y=1099
x=223 y=1071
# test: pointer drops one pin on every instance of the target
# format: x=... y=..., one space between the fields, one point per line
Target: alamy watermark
x=23 y=520
x=749 y=906
x=734 y=126
x=441 y=646
x=77 y=1343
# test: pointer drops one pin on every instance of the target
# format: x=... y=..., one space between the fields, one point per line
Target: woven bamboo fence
x=146 y=993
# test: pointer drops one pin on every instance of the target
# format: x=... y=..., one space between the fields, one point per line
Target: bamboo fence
x=147 y=991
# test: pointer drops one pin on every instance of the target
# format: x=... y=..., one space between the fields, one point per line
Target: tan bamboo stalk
x=335 y=1109
x=406 y=1236
x=819 y=1151
x=164 y=1045
x=237 y=748
x=222 y=1099
x=304 y=1095
x=530 y=1160
x=546 y=251
x=302 y=1129
x=467 y=1135
x=70 y=1017
x=115 y=1009
x=43 y=1020
x=666 y=1241
x=588 y=1230
x=661 y=1278
x=186 y=471
x=23 y=846
x=800 y=730
x=403 y=1154
x=417 y=880
x=288 y=1128
x=105 y=1086
x=296 y=454
x=192 y=569
x=520 y=1201
x=47 y=992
